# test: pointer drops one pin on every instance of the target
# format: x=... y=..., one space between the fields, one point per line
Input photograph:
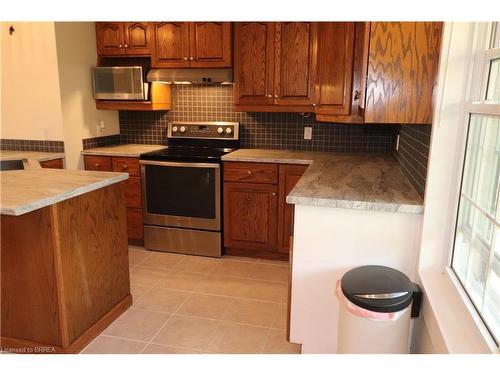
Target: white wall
x=30 y=100
x=328 y=242
x=76 y=54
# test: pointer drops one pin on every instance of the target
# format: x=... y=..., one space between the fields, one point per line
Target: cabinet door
x=137 y=38
x=171 y=45
x=109 y=38
x=250 y=216
x=295 y=63
x=210 y=44
x=254 y=63
x=135 y=226
x=289 y=175
x=402 y=65
x=335 y=68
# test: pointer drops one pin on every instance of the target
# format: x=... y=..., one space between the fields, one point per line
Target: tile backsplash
x=31 y=145
x=413 y=153
x=100 y=141
x=257 y=130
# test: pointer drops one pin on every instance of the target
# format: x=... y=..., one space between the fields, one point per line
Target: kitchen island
x=64 y=258
x=349 y=210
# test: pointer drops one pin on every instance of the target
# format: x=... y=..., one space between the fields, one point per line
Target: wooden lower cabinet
x=132 y=189
x=54 y=164
x=257 y=220
x=135 y=226
x=289 y=175
x=250 y=216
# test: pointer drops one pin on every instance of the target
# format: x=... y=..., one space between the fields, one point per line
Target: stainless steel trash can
x=375 y=310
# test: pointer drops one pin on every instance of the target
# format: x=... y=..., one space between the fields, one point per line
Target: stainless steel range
x=182 y=191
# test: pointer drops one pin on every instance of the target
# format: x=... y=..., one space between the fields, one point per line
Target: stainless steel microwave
x=119 y=83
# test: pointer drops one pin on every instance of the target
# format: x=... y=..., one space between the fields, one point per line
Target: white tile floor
x=189 y=304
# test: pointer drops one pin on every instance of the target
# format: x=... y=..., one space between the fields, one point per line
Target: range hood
x=222 y=76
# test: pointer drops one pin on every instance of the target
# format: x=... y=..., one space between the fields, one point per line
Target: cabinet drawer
x=135 y=226
x=97 y=163
x=133 y=192
x=54 y=163
x=263 y=173
x=129 y=165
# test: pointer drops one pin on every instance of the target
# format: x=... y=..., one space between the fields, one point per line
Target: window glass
x=476 y=253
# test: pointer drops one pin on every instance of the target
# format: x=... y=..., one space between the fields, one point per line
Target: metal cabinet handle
x=119 y=45
x=275 y=95
x=124 y=166
x=273 y=194
x=126 y=45
x=191 y=58
x=270 y=96
x=249 y=172
x=96 y=165
x=185 y=58
x=357 y=95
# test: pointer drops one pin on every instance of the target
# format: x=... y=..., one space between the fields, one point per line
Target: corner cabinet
x=275 y=65
x=123 y=38
x=257 y=220
x=402 y=67
x=192 y=45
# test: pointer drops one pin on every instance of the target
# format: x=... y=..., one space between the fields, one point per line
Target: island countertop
x=28 y=190
x=29 y=155
x=126 y=150
x=365 y=181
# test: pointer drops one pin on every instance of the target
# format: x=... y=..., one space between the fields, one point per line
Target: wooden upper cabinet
x=171 y=45
x=334 y=84
x=402 y=66
x=123 y=38
x=109 y=38
x=295 y=62
x=137 y=36
x=254 y=63
x=210 y=44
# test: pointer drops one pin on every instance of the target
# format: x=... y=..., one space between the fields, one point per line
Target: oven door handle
x=180 y=164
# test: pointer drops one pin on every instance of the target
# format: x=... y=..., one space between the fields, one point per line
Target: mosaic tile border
x=31 y=145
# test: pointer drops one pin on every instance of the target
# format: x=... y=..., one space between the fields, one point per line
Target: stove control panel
x=203 y=130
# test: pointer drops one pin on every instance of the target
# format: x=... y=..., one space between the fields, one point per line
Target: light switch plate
x=308 y=132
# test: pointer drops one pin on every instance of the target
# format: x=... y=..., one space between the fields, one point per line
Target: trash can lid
x=377 y=288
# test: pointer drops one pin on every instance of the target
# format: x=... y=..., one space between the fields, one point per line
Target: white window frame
x=453 y=324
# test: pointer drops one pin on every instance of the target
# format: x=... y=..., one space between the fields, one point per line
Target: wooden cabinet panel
x=109 y=38
x=137 y=38
x=289 y=175
x=335 y=68
x=97 y=163
x=264 y=173
x=54 y=163
x=250 y=215
x=135 y=226
x=127 y=164
x=402 y=66
x=210 y=44
x=133 y=196
x=171 y=45
x=295 y=62
x=254 y=63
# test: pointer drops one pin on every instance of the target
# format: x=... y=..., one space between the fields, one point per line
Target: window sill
x=453 y=323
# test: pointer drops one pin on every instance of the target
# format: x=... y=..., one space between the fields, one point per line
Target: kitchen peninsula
x=64 y=258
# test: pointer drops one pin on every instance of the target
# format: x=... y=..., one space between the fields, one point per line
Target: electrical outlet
x=308 y=132
x=101 y=126
x=397 y=143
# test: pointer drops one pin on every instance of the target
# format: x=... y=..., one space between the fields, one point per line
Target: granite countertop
x=365 y=181
x=30 y=155
x=28 y=190
x=127 y=150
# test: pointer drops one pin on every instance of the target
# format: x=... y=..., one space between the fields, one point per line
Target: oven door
x=181 y=194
